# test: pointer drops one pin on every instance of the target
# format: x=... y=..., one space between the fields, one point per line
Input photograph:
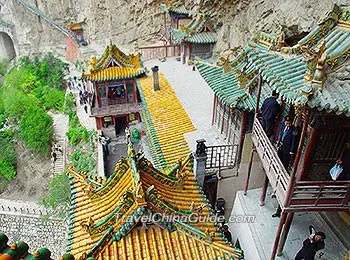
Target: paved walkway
x=60 y=128
x=195 y=96
x=256 y=229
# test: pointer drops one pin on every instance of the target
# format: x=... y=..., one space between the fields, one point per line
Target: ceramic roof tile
x=119 y=204
x=115 y=65
x=198 y=30
x=166 y=122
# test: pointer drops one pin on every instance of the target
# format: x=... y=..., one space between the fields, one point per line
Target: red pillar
x=277 y=237
x=285 y=232
x=249 y=169
x=223 y=119
x=214 y=109
x=263 y=191
x=242 y=135
x=309 y=150
x=297 y=159
x=135 y=89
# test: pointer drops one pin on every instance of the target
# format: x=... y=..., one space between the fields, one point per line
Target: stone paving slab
x=256 y=237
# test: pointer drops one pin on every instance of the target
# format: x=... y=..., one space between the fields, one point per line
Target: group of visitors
x=54 y=150
x=289 y=135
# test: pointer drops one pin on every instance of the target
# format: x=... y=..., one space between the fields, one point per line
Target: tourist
x=58 y=148
x=311 y=245
x=270 y=111
x=287 y=142
x=336 y=170
x=86 y=109
x=53 y=156
x=104 y=141
x=127 y=133
x=227 y=233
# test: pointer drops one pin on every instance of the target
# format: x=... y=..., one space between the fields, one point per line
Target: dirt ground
x=33 y=174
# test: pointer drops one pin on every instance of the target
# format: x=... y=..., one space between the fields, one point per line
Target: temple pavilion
x=116 y=100
x=197 y=38
x=312 y=79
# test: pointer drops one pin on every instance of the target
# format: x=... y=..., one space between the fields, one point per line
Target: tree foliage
x=3 y=66
x=7 y=156
x=36 y=130
x=58 y=198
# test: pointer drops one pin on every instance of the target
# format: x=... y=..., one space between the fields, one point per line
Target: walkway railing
x=158 y=52
x=44 y=16
x=116 y=109
x=274 y=169
x=320 y=195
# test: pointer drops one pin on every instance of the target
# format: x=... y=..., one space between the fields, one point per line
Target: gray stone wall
x=35 y=232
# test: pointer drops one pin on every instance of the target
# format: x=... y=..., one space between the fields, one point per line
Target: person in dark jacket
x=270 y=111
x=227 y=233
x=287 y=142
x=311 y=245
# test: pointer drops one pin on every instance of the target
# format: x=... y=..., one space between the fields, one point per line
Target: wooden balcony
x=117 y=109
x=274 y=169
x=320 y=196
x=305 y=195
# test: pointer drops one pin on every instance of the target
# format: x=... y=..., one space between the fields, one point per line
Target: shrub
x=58 y=198
x=36 y=130
x=7 y=156
x=3 y=66
x=53 y=99
x=16 y=102
x=69 y=104
x=83 y=161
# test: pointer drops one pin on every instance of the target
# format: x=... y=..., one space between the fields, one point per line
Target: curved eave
x=204 y=37
x=101 y=76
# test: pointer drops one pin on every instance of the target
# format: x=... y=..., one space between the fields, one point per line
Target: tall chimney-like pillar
x=155 y=78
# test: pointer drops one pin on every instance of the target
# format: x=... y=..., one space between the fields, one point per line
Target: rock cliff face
x=139 y=22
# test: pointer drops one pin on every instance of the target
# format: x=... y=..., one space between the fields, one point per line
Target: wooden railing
x=118 y=109
x=320 y=195
x=157 y=52
x=274 y=169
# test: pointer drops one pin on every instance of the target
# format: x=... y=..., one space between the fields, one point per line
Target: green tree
x=58 y=198
x=16 y=102
x=35 y=129
x=7 y=157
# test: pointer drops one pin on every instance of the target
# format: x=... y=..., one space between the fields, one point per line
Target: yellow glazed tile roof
x=105 y=219
x=114 y=65
x=168 y=119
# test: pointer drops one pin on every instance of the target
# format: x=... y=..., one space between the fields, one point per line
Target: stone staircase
x=60 y=163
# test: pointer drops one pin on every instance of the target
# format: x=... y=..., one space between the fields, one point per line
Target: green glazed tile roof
x=335 y=95
x=198 y=30
x=287 y=70
x=286 y=73
x=226 y=86
x=177 y=10
x=204 y=37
